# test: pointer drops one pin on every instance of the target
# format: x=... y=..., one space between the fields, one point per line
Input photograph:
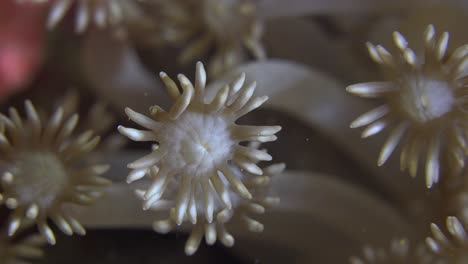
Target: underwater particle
x=240 y=211
x=42 y=168
x=425 y=102
x=197 y=143
x=101 y=13
x=453 y=247
x=14 y=251
x=399 y=252
x=229 y=27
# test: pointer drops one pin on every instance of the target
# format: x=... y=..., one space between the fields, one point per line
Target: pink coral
x=21 y=44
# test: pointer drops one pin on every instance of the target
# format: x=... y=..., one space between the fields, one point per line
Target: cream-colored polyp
x=198 y=145
x=425 y=101
x=42 y=169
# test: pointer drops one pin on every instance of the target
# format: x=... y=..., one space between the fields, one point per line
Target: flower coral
x=13 y=251
x=228 y=26
x=425 y=100
x=42 y=169
x=198 y=144
x=400 y=252
x=453 y=248
x=259 y=186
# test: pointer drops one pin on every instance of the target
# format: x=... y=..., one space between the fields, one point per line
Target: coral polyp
x=229 y=27
x=197 y=143
x=42 y=168
x=216 y=229
x=425 y=102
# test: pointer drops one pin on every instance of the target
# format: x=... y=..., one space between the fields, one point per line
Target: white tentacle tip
x=190 y=249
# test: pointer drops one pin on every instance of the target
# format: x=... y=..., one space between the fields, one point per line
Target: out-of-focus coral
x=100 y=13
x=42 y=169
x=320 y=44
x=399 y=252
x=453 y=248
x=98 y=118
x=456 y=203
x=229 y=28
x=445 y=16
x=297 y=8
x=21 y=45
x=20 y=250
x=425 y=99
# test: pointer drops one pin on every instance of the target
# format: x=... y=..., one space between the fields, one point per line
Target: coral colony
x=205 y=171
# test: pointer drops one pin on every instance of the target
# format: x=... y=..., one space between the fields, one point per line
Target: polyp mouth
x=39 y=177
x=425 y=100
